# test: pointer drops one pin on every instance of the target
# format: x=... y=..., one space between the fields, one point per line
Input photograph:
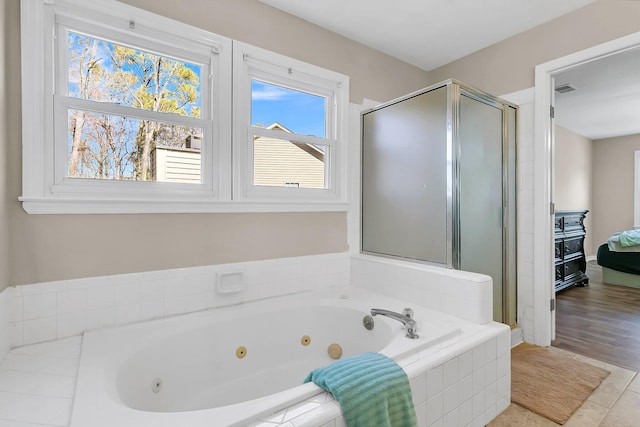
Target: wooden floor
x=600 y=321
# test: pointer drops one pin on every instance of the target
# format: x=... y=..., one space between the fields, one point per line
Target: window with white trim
x=128 y=111
x=289 y=118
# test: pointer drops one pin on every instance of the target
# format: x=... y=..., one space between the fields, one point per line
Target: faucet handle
x=408 y=313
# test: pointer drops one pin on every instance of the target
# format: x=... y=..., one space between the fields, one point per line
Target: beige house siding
x=176 y=165
x=281 y=163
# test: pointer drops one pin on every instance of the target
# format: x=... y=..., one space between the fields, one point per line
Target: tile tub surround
x=48 y=311
x=464 y=381
x=466 y=295
x=453 y=383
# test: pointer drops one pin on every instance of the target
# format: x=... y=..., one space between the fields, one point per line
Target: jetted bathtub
x=231 y=365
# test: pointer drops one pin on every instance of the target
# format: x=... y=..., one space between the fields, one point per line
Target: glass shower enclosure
x=439 y=184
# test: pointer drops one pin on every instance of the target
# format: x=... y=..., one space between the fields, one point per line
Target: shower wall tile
x=45 y=311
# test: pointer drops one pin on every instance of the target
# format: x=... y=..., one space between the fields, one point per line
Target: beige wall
x=573 y=177
x=54 y=247
x=509 y=66
x=4 y=216
x=613 y=164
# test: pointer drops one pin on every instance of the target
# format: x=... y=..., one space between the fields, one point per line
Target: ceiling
x=427 y=33
x=432 y=33
x=606 y=102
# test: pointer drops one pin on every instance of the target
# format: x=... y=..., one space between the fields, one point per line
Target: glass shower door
x=480 y=193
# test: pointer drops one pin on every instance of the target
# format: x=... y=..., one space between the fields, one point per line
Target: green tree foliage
x=109 y=147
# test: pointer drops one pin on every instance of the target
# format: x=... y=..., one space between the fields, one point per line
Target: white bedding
x=614 y=245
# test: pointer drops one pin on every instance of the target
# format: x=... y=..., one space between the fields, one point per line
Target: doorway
x=544 y=297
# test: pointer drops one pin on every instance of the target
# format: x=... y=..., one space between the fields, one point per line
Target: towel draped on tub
x=371 y=388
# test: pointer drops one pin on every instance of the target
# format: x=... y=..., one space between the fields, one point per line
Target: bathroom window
x=125 y=111
x=288 y=128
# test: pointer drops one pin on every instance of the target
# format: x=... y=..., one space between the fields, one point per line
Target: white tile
x=451 y=398
x=58 y=348
x=340 y=422
x=40 y=364
x=16 y=305
x=9 y=423
x=490 y=349
x=503 y=388
x=72 y=301
x=299 y=409
x=421 y=414
x=38 y=330
x=318 y=416
x=490 y=373
x=478 y=357
x=195 y=302
x=16 y=334
x=435 y=409
x=451 y=419
x=37 y=306
x=465 y=364
x=419 y=389
x=503 y=365
x=450 y=372
x=71 y=324
x=127 y=294
x=198 y=284
x=151 y=290
x=35 y=409
x=175 y=289
x=153 y=309
x=176 y=305
x=491 y=396
x=101 y=297
x=37 y=383
x=101 y=318
x=44 y=288
x=479 y=383
x=127 y=313
x=434 y=381
x=465 y=388
x=478 y=405
x=465 y=413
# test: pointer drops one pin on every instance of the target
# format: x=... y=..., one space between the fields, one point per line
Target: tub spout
x=405 y=318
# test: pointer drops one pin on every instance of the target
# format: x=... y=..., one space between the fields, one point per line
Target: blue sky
x=300 y=112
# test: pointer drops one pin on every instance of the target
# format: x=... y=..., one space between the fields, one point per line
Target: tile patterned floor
x=615 y=403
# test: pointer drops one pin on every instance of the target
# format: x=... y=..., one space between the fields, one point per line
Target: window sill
x=39 y=206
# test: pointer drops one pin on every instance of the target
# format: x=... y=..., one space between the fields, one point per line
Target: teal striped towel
x=630 y=238
x=373 y=391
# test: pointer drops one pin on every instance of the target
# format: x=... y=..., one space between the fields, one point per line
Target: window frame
x=224 y=185
x=46 y=189
x=253 y=63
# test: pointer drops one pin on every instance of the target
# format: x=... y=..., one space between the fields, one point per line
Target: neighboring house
x=177 y=164
x=282 y=163
x=276 y=162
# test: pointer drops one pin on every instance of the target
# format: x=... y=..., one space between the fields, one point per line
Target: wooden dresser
x=570 y=261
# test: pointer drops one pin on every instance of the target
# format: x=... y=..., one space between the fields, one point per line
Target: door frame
x=544 y=294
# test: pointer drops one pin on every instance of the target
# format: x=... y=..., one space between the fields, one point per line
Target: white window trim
x=251 y=62
x=42 y=194
x=636 y=190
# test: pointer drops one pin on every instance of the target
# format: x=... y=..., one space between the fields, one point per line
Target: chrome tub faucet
x=406 y=318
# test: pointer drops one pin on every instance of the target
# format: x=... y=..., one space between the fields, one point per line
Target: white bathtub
x=185 y=371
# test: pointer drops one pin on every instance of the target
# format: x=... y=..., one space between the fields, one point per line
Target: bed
x=620 y=259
